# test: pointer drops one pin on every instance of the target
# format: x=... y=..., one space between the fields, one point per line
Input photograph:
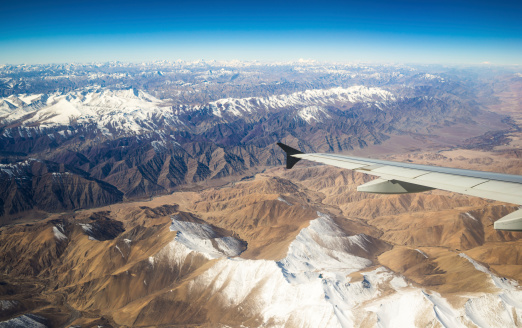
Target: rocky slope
x=46 y=186
x=298 y=248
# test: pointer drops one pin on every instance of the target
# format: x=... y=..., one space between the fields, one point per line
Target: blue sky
x=469 y=32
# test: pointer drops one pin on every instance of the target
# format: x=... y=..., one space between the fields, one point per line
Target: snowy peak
x=14 y=100
x=6 y=106
x=431 y=77
x=322 y=246
x=21 y=101
x=130 y=111
x=61 y=112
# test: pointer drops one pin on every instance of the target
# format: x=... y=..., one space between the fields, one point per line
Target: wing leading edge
x=397 y=178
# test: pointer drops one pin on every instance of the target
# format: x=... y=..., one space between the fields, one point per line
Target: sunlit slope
x=298 y=248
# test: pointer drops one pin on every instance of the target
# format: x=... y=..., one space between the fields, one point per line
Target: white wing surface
x=397 y=177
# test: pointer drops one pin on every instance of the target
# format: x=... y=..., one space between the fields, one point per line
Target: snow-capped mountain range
x=298 y=100
x=109 y=132
x=131 y=112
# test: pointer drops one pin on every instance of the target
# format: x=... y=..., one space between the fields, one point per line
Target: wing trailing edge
x=400 y=178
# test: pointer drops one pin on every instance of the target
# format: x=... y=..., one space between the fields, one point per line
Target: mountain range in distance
x=154 y=194
x=146 y=142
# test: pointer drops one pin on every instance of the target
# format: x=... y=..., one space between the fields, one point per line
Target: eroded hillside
x=296 y=248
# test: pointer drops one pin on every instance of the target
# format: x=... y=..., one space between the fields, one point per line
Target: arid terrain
x=234 y=243
x=123 y=264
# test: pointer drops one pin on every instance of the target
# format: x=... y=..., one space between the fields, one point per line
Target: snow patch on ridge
x=25 y=321
x=59 y=232
x=421 y=252
x=8 y=305
x=86 y=227
x=432 y=77
x=471 y=216
x=313 y=113
x=281 y=199
x=15 y=169
x=60 y=113
x=202 y=238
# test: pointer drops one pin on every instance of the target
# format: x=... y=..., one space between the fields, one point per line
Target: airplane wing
x=399 y=178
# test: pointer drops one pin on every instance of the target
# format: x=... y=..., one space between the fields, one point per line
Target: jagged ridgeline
x=82 y=136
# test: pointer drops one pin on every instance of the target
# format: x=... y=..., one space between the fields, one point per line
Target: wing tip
x=510 y=222
x=290 y=160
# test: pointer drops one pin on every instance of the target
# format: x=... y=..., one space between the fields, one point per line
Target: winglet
x=290 y=160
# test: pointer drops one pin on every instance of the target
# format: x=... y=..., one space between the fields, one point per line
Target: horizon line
x=302 y=61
